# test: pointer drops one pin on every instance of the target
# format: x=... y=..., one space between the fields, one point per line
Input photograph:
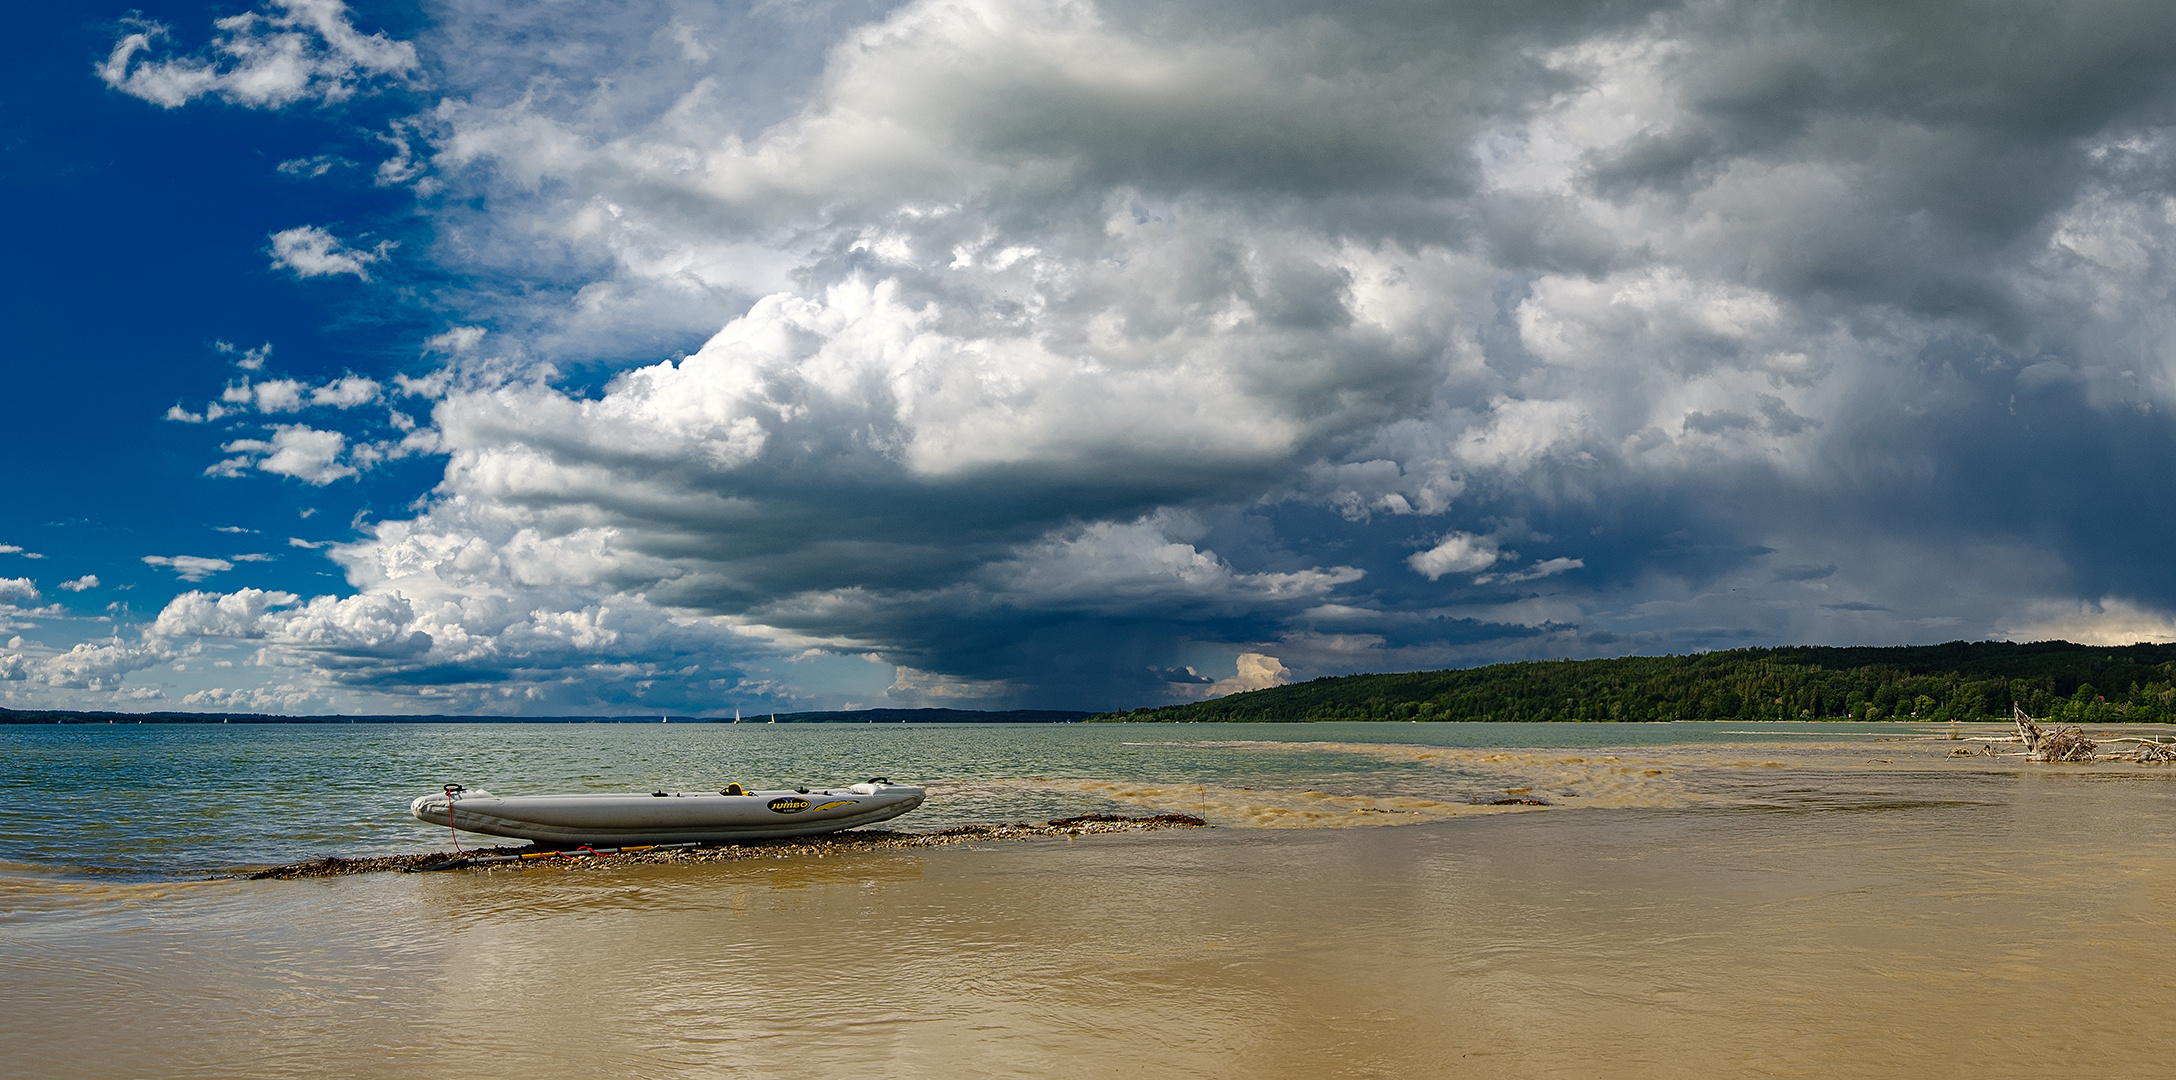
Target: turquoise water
x=193 y=799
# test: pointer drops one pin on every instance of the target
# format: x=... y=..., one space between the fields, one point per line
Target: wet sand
x=1912 y=918
x=534 y=857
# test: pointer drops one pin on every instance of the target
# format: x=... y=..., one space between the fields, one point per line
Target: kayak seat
x=734 y=789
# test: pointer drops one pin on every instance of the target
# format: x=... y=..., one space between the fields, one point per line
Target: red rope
x=450 y=830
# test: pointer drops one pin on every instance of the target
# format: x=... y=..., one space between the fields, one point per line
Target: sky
x=555 y=357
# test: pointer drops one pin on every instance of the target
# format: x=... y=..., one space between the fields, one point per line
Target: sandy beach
x=2004 y=922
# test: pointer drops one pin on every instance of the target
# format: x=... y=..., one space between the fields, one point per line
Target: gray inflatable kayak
x=668 y=817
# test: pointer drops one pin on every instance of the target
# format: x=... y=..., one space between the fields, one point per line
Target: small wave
x=31 y=892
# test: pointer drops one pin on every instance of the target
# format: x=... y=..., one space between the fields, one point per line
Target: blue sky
x=624 y=357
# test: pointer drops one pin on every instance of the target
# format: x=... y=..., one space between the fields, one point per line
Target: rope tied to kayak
x=451 y=791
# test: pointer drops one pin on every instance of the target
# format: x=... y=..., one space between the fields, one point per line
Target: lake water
x=158 y=799
x=1696 y=900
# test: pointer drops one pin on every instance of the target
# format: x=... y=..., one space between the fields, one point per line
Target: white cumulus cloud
x=1256 y=671
x=96 y=667
x=1456 y=553
x=311 y=251
x=190 y=567
x=309 y=454
x=281 y=53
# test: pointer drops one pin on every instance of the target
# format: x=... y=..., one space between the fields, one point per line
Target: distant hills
x=857 y=716
x=1963 y=680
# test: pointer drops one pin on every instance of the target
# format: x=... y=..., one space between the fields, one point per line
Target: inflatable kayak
x=667 y=817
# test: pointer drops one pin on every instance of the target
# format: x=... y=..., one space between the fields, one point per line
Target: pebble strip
x=819 y=846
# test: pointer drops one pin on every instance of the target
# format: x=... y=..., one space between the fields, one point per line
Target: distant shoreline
x=858 y=716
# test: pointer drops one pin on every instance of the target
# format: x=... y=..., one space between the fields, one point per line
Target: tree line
x=1962 y=680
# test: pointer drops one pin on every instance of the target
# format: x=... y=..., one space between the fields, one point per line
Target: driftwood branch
x=2063 y=744
x=2070 y=744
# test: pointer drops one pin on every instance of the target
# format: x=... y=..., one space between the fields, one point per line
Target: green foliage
x=1963 y=680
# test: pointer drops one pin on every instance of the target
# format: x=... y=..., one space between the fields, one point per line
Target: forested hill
x=1962 y=680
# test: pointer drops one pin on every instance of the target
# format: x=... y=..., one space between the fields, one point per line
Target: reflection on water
x=1834 y=909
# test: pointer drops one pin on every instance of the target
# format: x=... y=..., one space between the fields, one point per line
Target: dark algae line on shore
x=1962 y=680
x=533 y=856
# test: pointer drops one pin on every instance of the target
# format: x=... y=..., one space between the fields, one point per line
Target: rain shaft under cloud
x=1100 y=354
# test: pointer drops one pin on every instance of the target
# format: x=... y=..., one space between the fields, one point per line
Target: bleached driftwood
x=2065 y=744
x=2146 y=751
x=2071 y=744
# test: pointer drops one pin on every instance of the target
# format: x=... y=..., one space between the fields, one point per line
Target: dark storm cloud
x=1098 y=342
x=1805 y=573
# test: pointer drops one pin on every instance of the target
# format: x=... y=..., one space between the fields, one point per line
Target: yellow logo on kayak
x=788 y=805
x=838 y=803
